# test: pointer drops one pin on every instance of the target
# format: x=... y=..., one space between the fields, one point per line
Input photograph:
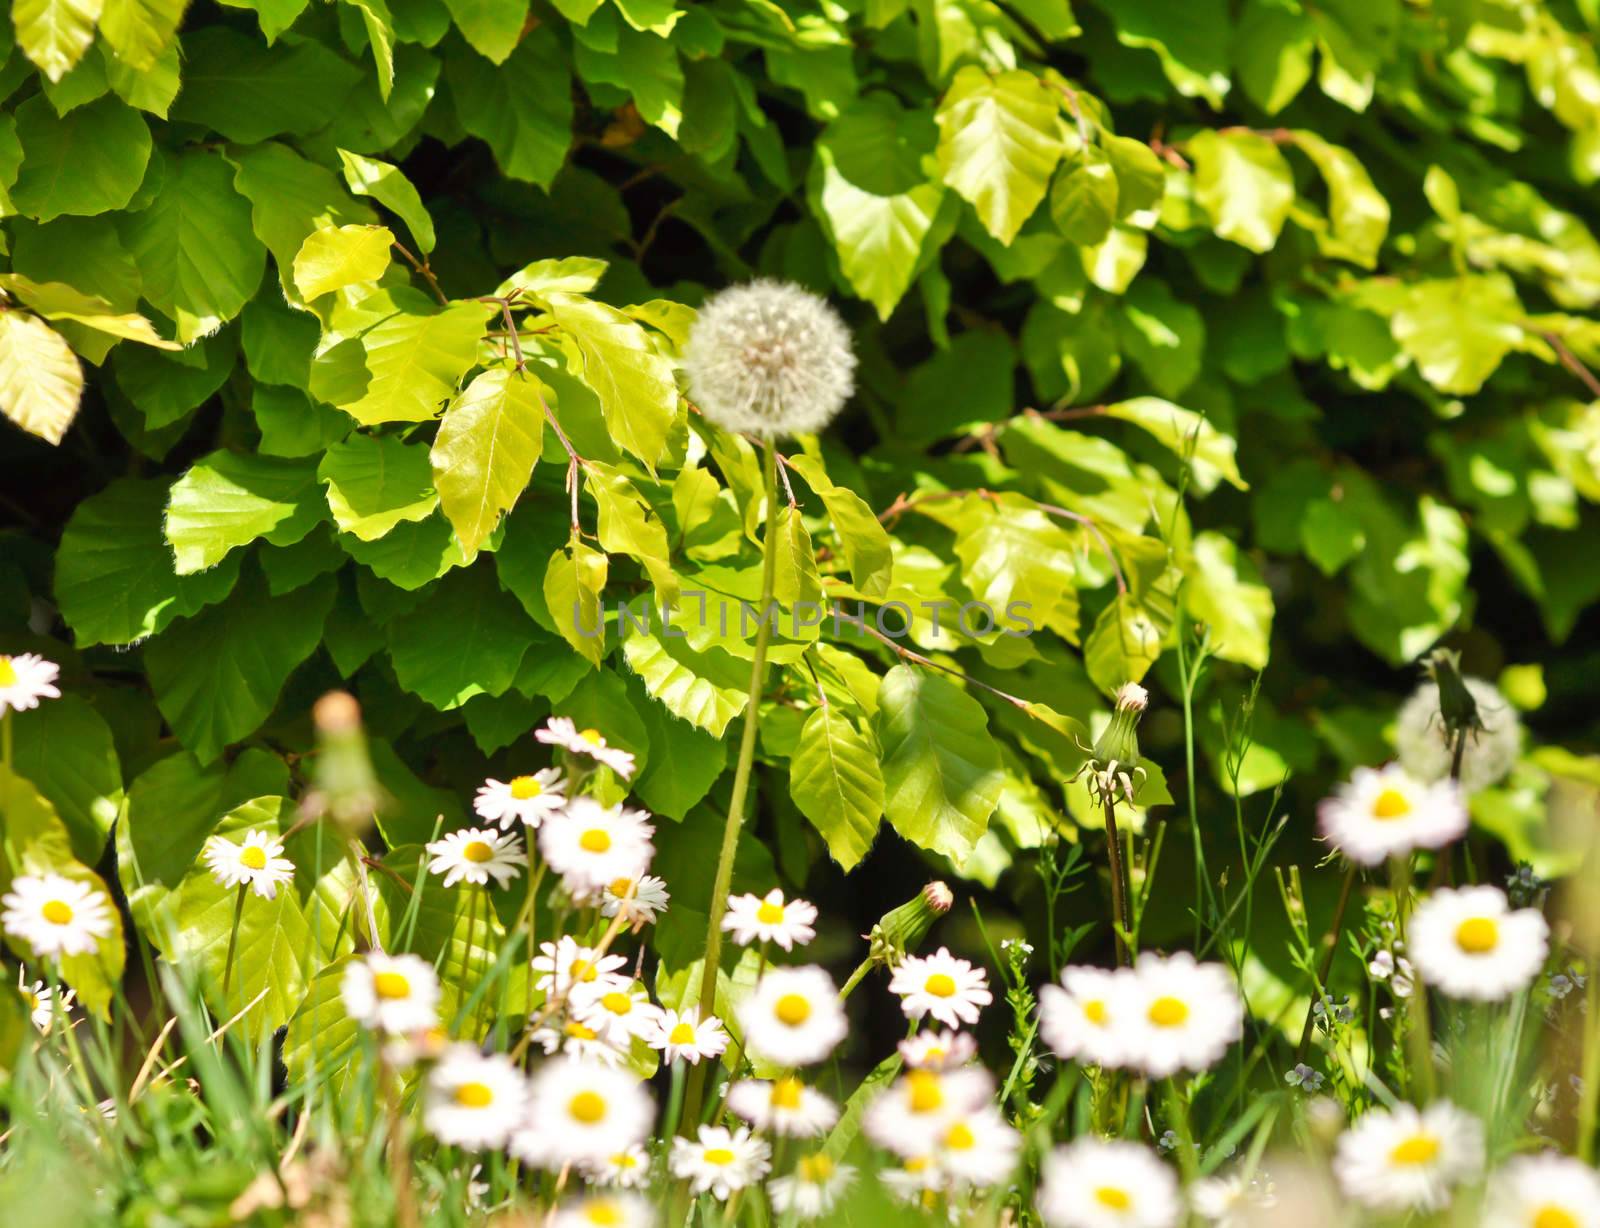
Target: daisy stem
x=530 y=915
x=479 y=895
x=358 y=860
x=1419 y=1035
x=1589 y=1096
x=741 y=775
x=1121 y=922
x=675 y=1098
x=1178 y=1111
x=1330 y=950
x=233 y=942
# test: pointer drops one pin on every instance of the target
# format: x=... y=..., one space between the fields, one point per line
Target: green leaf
x=289 y=198
x=628 y=525
x=1125 y=642
x=573 y=583
x=1357 y=213
x=864 y=540
x=140 y=31
x=411 y=554
x=1011 y=552
x=65 y=748
x=227 y=500
x=492 y=27
x=85 y=162
x=644 y=65
x=56 y=301
x=1457 y=330
x=484 y=454
x=466 y=638
x=379 y=25
x=1330 y=534
x=1272 y=54
x=376 y=482
x=332 y=258
x=635 y=385
x=1224 y=590
x=54 y=34
x=571 y=275
x=1243 y=182
x=322 y=1047
x=247 y=92
x=1083 y=201
x=388 y=186
x=40 y=379
x=413 y=362
x=706 y=688
x=167 y=386
x=523 y=109
x=217 y=675
x=278 y=342
x=836 y=782
x=1190 y=37
x=795 y=581
x=1209 y=453
x=196 y=254
x=1167 y=338
x=1000 y=139
x=686 y=764
x=1141 y=179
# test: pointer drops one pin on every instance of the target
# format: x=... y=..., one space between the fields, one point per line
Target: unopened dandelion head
x=769 y=359
x=1426 y=746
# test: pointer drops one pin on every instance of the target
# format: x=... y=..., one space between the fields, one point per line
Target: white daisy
x=770 y=919
x=793 y=1016
x=618 y=1015
x=25 y=679
x=605 y=1211
x=397 y=994
x=627 y=1169
x=257 y=860
x=474 y=1100
x=684 y=1036
x=1547 y=1190
x=592 y=846
x=560 y=731
x=720 y=1161
x=1080 y=1018
x=915 y=1182
x=1470 y=943
x=1404 y=1159
x=812 y=1189
x=524 y=799
x=978 y=1148
x=639 y=901
x=579 y=1042
x=1178 y=1014
x=43 y=1001
x=913 y=1116
x=786 y=1106
x=564 y=964
x=56 y=915
x=949 y=989
x=476 y=854
x=1100 y=1183
x=1229 y=1201
x=938 y=1050
x=1385 y=813
x=582 y=1113
x=423 y=1045
x=1426 y=748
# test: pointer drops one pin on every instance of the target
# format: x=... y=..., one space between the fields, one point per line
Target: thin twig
x=907 y=654
x=1573 y=363
x=421 y=266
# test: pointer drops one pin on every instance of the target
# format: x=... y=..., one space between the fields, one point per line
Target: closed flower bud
x=902 y=929
x=344 y=785
x=1119 y=742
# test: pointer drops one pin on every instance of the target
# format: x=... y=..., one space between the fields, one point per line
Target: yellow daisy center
x=1114 y=1197
x=57 y=912
x=391 y=986
x=595 y=840
x=253 y=857
x=617 y=1003
x=583 y=970
x=591 y=736
x=525 y=787
x=1418 y=1149
x=587 y=1107
x=792 y=1009
x=1478 y=935
x=622 y=888
x=8 y=672
x=624 y=1161
x=940 y=985
x=933 y=1054
x=786 y=1093
x=478 y=851
x=1552 y=1216
x=926 y=1095
x=918 y=1164
x=1167 y=1013
x=1094 y=1010
x=769 y=913
x=681 y=1034
x=1391 y=804
x=474 y=1096
x=814 y=1169
x=604 y=1213
x=31 y=998
x=577 y=1031
x=720 y=1156
x=959 y=1137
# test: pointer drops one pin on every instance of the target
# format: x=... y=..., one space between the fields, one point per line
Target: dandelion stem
x=1419 y=1035
x=856 y=977
x=1330 y=942
x=1589 y=1096
x=741 y=777
x=1178 y=1111
x=1121 y=922
x=233 y=942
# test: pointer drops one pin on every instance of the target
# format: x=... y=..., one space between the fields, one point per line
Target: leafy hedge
x=355 y=327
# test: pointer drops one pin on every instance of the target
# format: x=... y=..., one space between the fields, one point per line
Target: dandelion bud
x=1451 y=704
x=902 y=929
x=769 y=359
x=344 y=785
x=1119 y=743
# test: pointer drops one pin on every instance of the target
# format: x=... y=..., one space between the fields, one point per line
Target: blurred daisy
x=605 y=1211
x=786 y=1106
x=398 y=994
x=56 y=915
x=913 y=1116
x=425 y=1044
x=1470 y=943
x=770 y=919
x=627 y=1169
x=915 y=1182
x=1403 y=1159
x=719 y=1160
x=566 y=963
x=949 y=989
x=1543 y=1191
x=937 y=1050
x=979 y=1148
x=579 y=1042
x=560 y=731
x=474 y=1100
x=1229 y=1201
x=1099 y=1183
x=812 y=1189
x=684 y=1036
x=638 y=901
x=1426 y=748
x=793 y=1016
x=1385 y=813
x=582 y=1113
x=618 y=1015
x=43 y=1000
x=25 y=679
x=475 y=855
x=1080 y=1018
x=1179 y=1014
x=592 y=846
x=257 y=860
x=524 y=799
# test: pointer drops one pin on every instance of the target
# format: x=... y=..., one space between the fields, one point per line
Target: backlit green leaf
x=484 y=454
x=837 y=783
x=1000 y=139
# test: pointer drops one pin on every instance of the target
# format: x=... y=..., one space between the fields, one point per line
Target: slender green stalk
x=1331 y=950
x=1589 y=1097
x=1122 y=922
x=741 y=776
x=530 y=911
x=1419 y=1034
x=856 y=977
x=233 y=944
x=1178 y=1112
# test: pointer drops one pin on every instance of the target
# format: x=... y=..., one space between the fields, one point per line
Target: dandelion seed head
x=1425 y=747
